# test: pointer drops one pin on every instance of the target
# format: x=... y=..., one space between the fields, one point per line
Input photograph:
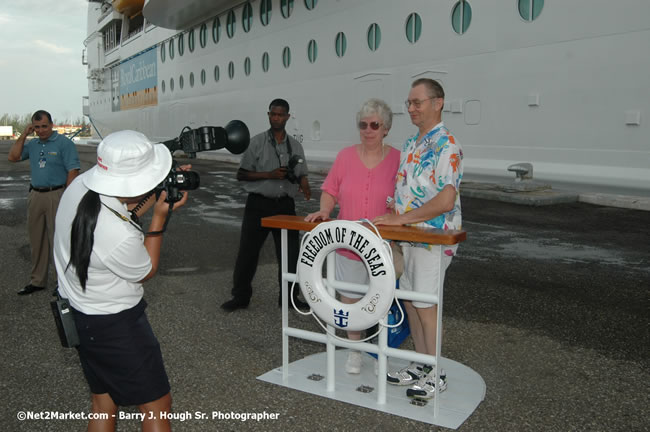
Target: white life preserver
x=376 y=255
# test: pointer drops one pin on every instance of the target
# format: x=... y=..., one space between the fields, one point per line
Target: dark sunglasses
x=373 y=125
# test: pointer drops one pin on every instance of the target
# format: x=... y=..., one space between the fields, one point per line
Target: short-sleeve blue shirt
x=51 y=160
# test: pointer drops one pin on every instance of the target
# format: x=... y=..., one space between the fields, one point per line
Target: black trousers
x=252 y=239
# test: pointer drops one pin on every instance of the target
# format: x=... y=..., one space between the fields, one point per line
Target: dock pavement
x=550 y=305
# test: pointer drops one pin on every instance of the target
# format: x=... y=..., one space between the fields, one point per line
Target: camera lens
x=187 y=180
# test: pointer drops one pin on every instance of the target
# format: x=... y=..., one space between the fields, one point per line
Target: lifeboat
x=178 y=15
x=130 y=8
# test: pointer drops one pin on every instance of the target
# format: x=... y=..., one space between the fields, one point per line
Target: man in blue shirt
x=54 y=163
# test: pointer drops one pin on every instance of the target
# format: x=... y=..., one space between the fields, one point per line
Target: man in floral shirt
x=426 y=195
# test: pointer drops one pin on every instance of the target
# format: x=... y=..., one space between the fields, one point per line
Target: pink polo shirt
x=361 y=192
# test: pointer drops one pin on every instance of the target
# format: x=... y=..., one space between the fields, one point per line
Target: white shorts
x=349 y=270
x=421 y=270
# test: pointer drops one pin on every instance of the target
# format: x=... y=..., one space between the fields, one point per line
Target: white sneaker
x=425 y=388
x=405 y=376
x=353 y=364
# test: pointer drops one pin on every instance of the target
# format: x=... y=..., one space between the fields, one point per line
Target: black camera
x=293 y=162
x=176 y=181
x=235 y=137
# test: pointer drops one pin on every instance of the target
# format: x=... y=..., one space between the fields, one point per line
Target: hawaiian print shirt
x=427 y=165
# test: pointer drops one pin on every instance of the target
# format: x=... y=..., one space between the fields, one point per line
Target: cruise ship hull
x=564 y=91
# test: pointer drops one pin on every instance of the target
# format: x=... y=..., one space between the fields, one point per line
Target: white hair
x=376 y=107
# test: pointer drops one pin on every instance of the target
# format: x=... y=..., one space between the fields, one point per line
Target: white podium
x=318 y=374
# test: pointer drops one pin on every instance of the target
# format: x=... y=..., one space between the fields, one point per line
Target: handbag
x=64 y=320
x=396 y=335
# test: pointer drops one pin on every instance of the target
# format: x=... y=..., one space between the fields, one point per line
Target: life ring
x=374 y=252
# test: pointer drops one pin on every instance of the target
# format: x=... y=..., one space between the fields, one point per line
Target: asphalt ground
x=548 y=304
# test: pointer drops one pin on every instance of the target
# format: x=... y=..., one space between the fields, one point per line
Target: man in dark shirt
x=274 y=170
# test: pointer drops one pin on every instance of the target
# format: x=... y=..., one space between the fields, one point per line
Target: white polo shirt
x=117 y=262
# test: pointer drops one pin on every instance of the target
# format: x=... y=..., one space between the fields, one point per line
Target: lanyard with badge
x=136 y=222
x=41 y=157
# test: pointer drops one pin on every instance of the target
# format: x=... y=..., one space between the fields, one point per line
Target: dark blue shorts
x=121 y=356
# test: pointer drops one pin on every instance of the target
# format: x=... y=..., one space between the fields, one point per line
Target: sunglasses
x=373 y=125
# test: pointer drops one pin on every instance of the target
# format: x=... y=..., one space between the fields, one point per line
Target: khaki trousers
x=41 y=211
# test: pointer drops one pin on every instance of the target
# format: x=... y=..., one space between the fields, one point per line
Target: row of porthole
x=312 y=49
x=340 y=42
x=286 y=7
x=461 y=18
x=312 y=54
x=413 y=32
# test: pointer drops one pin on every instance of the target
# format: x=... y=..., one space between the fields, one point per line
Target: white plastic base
x=465 y=390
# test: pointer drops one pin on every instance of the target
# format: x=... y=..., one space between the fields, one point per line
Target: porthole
x=529 y=10
x=247 y=17
x=171 y=84
x=191 y=79
x=312 y=51
x=216 y=74
x=203 y=35
x=231 y=70
x=413 y=27
x=286 y=7
x=216 y=30
x=286 y=57
x=310 y=4
x=231 y=23
x=202 y=76
x=265 y=62
x=374 y=37
x=265 y=11
x=181 y=82
x=341 y=44
x=181 y=44
x=247 y=66
x=162 y=51
x=163 y=86
x=190 y=40
x=171 y=49
x=461 y=17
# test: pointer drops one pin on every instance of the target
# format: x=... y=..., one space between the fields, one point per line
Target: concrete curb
x=620 y=201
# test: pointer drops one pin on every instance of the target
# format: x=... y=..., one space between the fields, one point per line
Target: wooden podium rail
x=399 y=233
x=465 y=392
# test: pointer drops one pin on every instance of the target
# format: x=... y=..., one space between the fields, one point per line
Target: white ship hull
x=566 y=91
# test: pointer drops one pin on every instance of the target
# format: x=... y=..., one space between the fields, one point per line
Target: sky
x=40 y=59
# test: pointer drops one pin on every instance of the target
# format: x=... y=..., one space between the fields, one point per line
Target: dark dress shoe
x=30 y=289
x=234 y=304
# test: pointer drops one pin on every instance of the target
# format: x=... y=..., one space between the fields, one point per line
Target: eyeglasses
x=416 y=103
x=373 y=125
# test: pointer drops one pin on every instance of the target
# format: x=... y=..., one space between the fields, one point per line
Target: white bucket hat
x=128 y=165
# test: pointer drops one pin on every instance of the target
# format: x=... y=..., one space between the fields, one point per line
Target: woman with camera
x=360 y=181
x=102 y=258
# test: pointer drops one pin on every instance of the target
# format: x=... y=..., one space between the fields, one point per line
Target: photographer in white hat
x=102 y=258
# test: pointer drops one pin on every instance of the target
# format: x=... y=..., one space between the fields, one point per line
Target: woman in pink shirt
x=360 y=181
